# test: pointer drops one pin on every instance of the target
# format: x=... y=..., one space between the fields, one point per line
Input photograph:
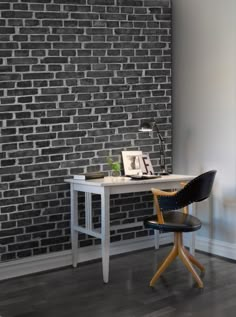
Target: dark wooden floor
x=80 y=292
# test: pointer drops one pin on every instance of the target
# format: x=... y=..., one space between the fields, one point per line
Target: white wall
x=204 y=106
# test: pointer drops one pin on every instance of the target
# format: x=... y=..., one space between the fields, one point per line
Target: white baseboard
x=55 y=260
x=61 y=259
x=216 y=247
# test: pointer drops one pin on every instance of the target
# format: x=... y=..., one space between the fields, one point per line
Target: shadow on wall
x=218 y=216
x=229 y=207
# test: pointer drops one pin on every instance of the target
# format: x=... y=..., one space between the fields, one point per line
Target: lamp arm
x=163 y=157
x=162 y=150
x=158 y=131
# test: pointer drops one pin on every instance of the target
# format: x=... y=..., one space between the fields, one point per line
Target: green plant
x=114 y=165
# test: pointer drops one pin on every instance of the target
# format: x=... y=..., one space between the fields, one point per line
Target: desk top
x=110 y=181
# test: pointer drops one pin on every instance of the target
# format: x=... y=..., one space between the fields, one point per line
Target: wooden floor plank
x=81 y=291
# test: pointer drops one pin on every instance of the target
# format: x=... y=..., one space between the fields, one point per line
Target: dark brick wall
x=76 y=79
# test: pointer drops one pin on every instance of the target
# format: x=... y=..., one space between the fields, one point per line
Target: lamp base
x=164 y=172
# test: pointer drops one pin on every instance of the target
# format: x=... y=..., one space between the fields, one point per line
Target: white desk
x=106 y=187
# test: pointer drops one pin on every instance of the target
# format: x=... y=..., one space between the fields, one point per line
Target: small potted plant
x=115 y=166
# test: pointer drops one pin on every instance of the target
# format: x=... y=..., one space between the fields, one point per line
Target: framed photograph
x=146 y=165
x=131 y=162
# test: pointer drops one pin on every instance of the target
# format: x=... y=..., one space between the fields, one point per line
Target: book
x=92 y=175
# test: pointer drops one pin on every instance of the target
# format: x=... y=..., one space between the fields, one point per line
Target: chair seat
x=174 y=222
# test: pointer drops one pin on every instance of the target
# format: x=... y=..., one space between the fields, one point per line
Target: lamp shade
x=146 y=127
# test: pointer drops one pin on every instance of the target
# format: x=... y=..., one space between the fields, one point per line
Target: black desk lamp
x=150 y=127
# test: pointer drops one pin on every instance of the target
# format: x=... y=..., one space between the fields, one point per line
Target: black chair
x=168 y=219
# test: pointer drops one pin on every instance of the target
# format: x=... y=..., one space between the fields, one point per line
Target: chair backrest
x=196 y=190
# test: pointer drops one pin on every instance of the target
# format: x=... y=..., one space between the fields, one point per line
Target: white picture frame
x=146 y=164
x=131 y=162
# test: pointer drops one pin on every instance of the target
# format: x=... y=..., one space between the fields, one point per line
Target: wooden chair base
x=187 y=258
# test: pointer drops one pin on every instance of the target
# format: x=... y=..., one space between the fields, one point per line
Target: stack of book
x=92 y=175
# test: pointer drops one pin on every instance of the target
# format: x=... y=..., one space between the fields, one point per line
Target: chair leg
x=185 y=259
x=194 y=260
x=170 y=258
x=185 y=256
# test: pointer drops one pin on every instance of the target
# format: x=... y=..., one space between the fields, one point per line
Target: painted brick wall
x=76 y=79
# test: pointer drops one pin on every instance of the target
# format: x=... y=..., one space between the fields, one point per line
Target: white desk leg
x=105 y=222
x=156 y=233
x=74 y=222
x=88 y=211
x=157 y=239
x=192 y=211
